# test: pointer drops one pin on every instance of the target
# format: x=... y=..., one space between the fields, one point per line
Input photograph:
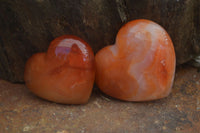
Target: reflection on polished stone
x=65 y=74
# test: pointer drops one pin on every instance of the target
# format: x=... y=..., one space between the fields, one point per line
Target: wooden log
x=28 y=26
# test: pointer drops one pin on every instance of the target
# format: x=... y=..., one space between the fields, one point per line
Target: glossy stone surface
x=65 y=74
x=141 y=64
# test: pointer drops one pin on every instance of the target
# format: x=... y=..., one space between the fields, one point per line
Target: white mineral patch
x=163 y=62
x=114 y=50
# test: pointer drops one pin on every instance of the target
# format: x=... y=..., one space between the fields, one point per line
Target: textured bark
x=28 y=26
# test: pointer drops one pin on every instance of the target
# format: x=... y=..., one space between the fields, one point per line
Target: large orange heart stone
x=65 y=74
x=141 y=64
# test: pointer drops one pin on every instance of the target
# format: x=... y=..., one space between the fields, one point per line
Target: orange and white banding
x=141 y=64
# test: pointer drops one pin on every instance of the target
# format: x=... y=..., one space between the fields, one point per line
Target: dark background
x=28 y=26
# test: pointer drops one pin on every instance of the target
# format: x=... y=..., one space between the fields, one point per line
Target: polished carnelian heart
x=65 y=74
x=141 y=64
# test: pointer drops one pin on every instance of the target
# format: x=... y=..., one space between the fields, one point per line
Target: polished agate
x=140 y=66
x=64 y=74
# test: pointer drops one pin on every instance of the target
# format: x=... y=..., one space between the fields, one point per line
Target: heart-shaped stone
x=65 y=74
x=141 y=64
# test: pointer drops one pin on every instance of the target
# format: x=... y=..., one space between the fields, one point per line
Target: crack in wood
x=121 y=8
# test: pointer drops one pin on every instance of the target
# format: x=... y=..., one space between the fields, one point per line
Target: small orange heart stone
x=65 y=74
x=140 y=66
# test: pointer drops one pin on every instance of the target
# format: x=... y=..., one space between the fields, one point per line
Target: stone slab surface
x=21 y=111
